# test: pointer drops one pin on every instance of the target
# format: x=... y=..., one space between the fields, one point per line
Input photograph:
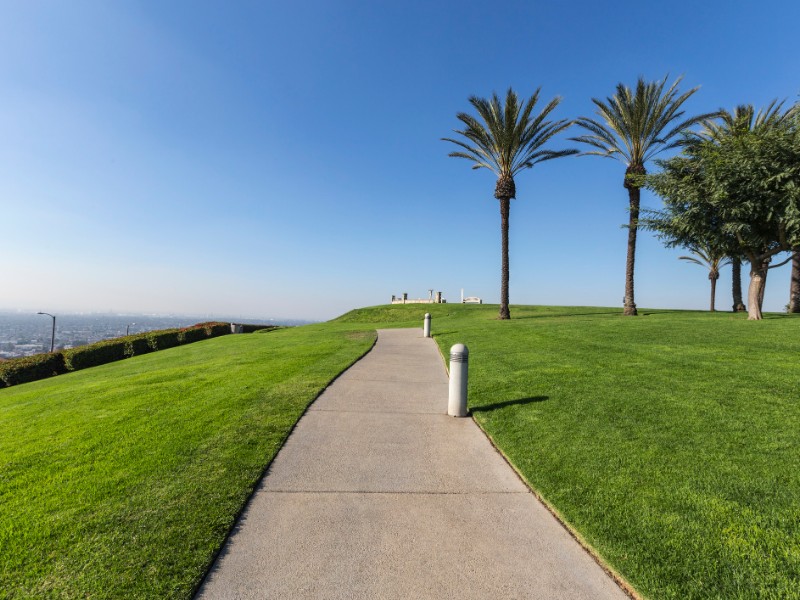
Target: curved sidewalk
x=379 y=494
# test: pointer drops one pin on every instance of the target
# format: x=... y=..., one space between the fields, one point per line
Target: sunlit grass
x=122 y=481
x=670 y=442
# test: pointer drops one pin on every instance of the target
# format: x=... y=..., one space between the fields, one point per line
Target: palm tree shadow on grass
x=506 y=403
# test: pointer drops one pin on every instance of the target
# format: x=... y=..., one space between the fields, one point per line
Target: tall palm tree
x=634 y=126
x=713 y=260
x=507 y=138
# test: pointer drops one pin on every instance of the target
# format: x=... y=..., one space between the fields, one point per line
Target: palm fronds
x=506 y=137
x=636 y=125
x=745 y=119
x=707 y=257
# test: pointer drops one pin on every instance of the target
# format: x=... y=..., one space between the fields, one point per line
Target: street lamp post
x=53 y=336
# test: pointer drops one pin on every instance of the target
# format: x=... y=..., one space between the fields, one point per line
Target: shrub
x=192 y=334
x=201 y=331
x=161 y=340
x=137 y=344
x=31 y=368
x=220 y=329
x=215 y=328
x=96 y=354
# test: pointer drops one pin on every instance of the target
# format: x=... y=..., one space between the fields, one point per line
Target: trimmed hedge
x=95 y=354
x=137 y=344
x=215 y=328
x=31 y=368
x=192 y=334
x=166 y=338
x=201 y=331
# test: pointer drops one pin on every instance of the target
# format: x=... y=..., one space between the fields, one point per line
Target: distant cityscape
x=24 y=334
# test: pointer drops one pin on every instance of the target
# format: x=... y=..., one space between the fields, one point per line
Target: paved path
x=379 y=494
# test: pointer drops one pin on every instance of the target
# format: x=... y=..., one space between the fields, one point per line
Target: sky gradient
x=277 y=159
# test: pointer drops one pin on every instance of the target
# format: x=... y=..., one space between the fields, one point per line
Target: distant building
x=431 y=299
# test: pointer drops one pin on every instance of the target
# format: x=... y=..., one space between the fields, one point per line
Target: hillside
x=122 y=481
x=668 y=443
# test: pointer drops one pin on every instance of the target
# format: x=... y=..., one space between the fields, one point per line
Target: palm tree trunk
x=713 y=292
x=634 y=198
x=505 y=207
x=794 y=289
x=736 y=268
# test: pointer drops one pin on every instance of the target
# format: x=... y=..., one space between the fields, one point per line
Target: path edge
x=623 y=584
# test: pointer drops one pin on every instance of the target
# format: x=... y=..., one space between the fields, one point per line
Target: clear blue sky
x=283 y=159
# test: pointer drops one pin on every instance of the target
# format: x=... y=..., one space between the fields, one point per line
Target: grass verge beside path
x=669 y=442
x=121 y=481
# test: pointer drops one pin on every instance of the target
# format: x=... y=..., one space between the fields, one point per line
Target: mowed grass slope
x=121 y=481
x=669 y=442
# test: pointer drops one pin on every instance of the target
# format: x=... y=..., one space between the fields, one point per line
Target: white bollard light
x=459 y=367
x=426 y=327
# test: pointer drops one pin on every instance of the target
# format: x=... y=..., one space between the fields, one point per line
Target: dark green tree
x=507 y=138
x=742 y=120
x=634 y=126
x=750 y=183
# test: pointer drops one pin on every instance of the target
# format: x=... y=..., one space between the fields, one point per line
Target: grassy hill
x=122 y=481
x=668 y=442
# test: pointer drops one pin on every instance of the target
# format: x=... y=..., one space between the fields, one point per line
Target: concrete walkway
x=379 y=494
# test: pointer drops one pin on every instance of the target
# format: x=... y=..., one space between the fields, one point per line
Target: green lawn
x=670 y=442
x=121 y=481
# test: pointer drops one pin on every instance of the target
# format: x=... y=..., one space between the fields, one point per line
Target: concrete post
x=459 y=367
x=426 y=327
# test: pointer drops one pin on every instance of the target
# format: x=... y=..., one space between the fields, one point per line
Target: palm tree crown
x=745 y=119
x=507 y=138
x=708 y=257
x=638 y=125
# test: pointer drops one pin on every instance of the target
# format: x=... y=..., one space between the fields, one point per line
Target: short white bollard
x=459 y=367
x=426 y=327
